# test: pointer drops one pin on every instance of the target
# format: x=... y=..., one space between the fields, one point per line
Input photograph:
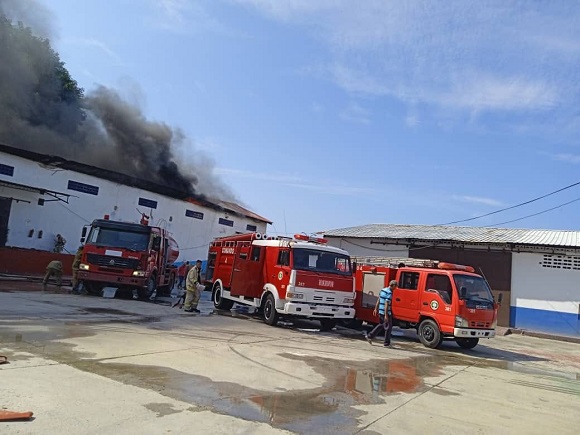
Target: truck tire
x=351 y=323
x=150 y=291
x=218 y=301
x=270 y=314
x=327 y=324
x=167 y=289
x=429 y=334
x=467 y=343
x=92 y=289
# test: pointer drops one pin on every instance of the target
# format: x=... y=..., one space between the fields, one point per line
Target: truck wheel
x=149 y=292
x=327 y=324
x=351 y=323
x=270 y=314
x=92 y=289
x=429 y=334
x=467 y=343
x=218 y=301
x=167 y=290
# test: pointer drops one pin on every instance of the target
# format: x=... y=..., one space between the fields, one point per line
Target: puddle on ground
x=162 y=409
x=96 y=310
x=330 y=407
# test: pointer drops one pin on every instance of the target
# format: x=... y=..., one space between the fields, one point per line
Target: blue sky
x=329 y=114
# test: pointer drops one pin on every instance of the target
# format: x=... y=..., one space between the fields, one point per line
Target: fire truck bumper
x=473 y=333
x=112 y=279
x=319 y=311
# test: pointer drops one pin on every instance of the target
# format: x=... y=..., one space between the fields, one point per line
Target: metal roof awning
x=58 y=196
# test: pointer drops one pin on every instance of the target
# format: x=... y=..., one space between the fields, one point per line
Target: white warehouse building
x=537 y=270
x=42 y=196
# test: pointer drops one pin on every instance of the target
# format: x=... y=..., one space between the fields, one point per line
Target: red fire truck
x=300 y=277
x=127 y=256
x=440 y=300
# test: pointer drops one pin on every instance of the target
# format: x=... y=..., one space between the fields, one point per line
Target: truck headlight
x=460 y=322
x=292 y=295
x=83 y=266
x=348 y=301
x=139 y=273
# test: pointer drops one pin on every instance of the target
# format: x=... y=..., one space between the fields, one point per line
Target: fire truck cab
x=299 y=277
x=440 y=300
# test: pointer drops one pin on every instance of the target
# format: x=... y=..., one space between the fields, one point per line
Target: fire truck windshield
x=118 y=239
x=476 y=289
x=321 y=261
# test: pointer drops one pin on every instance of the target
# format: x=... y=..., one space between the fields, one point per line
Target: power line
x=515 y=206
x=536 y=214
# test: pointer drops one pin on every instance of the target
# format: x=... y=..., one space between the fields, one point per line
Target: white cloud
x=492 y=56
x=330 y=187
x=570 y=158
x=95 y=43
x=356 y=113
x=477 y=200
x=187 y=17
x=266 y=176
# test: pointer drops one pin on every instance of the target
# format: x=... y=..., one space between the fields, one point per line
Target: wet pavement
x=92 y=365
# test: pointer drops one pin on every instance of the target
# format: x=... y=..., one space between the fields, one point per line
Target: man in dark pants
x=383 y=308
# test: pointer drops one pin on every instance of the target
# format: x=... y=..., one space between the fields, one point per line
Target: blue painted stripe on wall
x=550 y=322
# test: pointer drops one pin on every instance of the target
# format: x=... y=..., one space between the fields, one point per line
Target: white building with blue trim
x=537 y=270
x=44 y=195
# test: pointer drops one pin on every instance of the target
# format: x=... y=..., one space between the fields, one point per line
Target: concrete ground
x=90 y=365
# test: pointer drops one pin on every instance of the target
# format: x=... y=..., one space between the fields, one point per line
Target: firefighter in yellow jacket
x=193 y=288
x=75 y=270
x=54 y=268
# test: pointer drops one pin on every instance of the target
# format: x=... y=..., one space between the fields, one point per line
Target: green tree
x=35 y=87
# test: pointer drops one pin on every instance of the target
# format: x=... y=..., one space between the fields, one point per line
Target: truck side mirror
x=156 y=243
x=83 y=234
x=500 y=298
x=462 y=293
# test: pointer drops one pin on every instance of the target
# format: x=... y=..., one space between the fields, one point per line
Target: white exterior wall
x=545 y=292
x=120 y=202
x=543 y=288
x=362 y=247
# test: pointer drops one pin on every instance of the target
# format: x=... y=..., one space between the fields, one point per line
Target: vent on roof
x=561 y=262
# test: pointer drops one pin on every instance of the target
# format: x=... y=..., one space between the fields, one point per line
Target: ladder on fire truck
x=394 y=262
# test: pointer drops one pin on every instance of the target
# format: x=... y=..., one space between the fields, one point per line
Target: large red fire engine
x=440 y=300
x=300 y=277
x=128 y=256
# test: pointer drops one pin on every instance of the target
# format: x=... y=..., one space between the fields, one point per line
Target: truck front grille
x=115 y=262
x=479 y=325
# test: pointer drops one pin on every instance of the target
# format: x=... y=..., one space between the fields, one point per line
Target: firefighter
x=193 y=288
x=75 y=270
x=59 y=243
x=54 y=268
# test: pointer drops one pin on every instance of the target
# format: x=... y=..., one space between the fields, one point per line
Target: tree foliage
x=35 y=87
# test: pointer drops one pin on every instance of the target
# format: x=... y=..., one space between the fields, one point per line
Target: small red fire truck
x=280 y=276
x=127 y=256
x=440 y=300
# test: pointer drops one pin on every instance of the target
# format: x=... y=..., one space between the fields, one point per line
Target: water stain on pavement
x=162 y=409
x=329 y=408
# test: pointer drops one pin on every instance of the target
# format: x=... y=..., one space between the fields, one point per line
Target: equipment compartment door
x=406 y=297
x=247 y=275
x=5 y=205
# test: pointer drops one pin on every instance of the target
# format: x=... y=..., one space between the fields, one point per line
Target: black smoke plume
x=42 y=109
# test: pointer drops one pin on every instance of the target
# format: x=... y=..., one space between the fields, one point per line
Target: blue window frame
x=82 y=187
x=226 y=222
x=149 y=203
x=194 y=214
x=251 y=227
x=7 y=170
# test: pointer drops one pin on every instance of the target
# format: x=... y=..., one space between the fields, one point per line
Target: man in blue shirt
x=383 y=308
